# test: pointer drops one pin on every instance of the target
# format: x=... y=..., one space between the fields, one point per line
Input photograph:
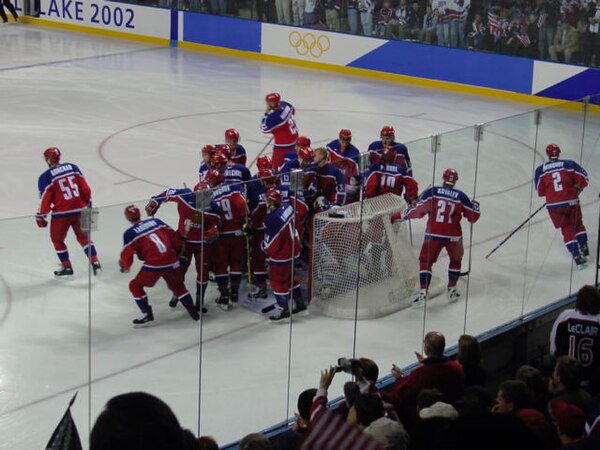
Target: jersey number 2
x=69 y=190
x=442 y=215
x=557 y=182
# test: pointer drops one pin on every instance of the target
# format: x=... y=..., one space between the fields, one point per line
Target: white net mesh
x=374 y=255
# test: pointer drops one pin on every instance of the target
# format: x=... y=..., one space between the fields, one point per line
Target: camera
x=348 y=365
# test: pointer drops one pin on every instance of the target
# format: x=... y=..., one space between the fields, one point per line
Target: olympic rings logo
x=309 y=43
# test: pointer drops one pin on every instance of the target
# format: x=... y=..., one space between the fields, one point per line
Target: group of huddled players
x=232 y=220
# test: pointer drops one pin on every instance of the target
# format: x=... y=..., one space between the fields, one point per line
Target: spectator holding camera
x=434 y=372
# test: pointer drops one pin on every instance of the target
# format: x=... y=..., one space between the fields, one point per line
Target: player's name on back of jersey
x=61 y=169
x=145 y=226
x=586 y=330
x=448 y=192
x=553 y=165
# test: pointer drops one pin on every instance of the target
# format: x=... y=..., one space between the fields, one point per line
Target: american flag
x=542 y=19
x=494 y=24
x=523 y=36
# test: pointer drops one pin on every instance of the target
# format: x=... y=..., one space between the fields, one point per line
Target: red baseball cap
x=570 y=419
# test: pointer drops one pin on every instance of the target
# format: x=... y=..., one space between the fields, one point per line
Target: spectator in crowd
x=284 y=11
x=463 y=12
x=538 y=386
x=298 y=12
x=591 y=51
x=576 y=332
x=137 y=421
x=369 y=414
x=262 y=10
x=332 y=14
x=469 y=357
x=434 y=418
x=513 y=395
x=207 y=443
x=434 y=371
x=310 y=18
x=218 y=7
x=442 y=32
x=475 y=37
x=384 y=20
x=401 y=18
x=291 y=438
x=255 y=441
x=365 y=8
x=565 y=384
x=429 y=25
x=352 y=15
x=414 y=21
x=570 y=425
x=547 y=14
x=11 y=9
x=473 y=401
x=566 y=42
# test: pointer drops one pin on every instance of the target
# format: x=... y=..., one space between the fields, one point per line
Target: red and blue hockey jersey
x=280 y=122
x=347 y=161
x=383 y=178
x=281 y=243
x=154 y=242
x=63 y=191
x=402 y=156
x=236 y=174
x=560 y=181
x=192 y=221
x=331 y=184
x=229 y=201
x=446 y=207
x=202 y=171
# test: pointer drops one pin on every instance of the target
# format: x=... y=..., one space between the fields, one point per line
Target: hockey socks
x=142 y=304
x=91 y=248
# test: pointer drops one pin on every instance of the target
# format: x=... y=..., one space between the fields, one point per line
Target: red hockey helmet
x=267 y=177
x=209 y=150
x=231 y=134
x=388 y=131
x=274 y=198
x=218 y=159
x=132 y=213
x=226 y=150
x=450 y=176
x=553 y=151
x=52 y=154
x=388 y=154
x=345 y=135
x=213 y=177
x=263 y=162
x=200 y=186
x=273 y=98
x=303 y=141
x=306 y=154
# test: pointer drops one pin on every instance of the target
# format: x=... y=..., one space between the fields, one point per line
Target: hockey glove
x=356 y=180
x=247 y=229
x=211 y=235
x=411 y=201
x=41 y=221
x=122 y=269
x=152 y=207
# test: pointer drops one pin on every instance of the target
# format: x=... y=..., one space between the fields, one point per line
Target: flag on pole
x=65 y=436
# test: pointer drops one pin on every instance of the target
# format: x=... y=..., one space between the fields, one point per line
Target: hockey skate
x=191 y=309
x=584 y=251
x=420 y=299
x=580 y=262
x=453 y=295
x=96 y=268
x=281 y=316
x=300 y=308
x=234 y=296
x=200 y=302
x=145 y=319
x=223 y=301
x=64 y=272
x=173 y=302
x=260 y=292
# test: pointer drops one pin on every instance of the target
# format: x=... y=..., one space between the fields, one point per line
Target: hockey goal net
x=367 y=253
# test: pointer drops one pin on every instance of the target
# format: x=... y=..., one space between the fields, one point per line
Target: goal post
x=372 y=254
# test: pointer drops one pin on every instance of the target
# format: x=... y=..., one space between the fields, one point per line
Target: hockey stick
x=261 y=152
x=515 y=230
x=248 y=271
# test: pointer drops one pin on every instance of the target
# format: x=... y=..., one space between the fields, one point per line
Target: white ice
x=134 y=118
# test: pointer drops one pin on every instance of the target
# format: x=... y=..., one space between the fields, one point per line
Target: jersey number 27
x=443 y=215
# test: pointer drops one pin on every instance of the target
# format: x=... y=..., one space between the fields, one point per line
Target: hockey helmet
x=267 y=177
x=231 y=134
x=273 y=98
x=553 y=151
x=306 y=153
x=388 y=131
x=303 y=141
x=132 y=213
x=213 y=177
x=52 y=155
x=263 y=162
x=209 y=150
x=273 y=198
x=345 y=135
x=450 y=176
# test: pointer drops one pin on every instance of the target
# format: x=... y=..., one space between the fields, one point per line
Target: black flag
x=65 y=436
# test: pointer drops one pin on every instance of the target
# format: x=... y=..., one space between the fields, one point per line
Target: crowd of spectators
x=557 y=30
x=440 y=404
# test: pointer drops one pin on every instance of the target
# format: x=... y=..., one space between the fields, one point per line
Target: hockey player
x=305 y=162
x=198 y=229
x=386 y=176
x=279 y=121
x=446 y=207
x=233 y=173
x=230 y=202
x=388 y=136
x=561 y=181
x=301 y=142
x=282 y=246
x=264 y=162
x=64 y=193
x=330 y=180
x=232 y=138
x=156 y=244
x=345 y=157
x=207 y=153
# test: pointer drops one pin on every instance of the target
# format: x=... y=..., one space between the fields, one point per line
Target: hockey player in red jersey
x=388 y=139
x=561 y=181
x=232 y=172
x=346 y=157
x=386 y=176
x=330 y=180
x=198 y=229
x=282 y=246
x=64 y=193
x=207 y=153
x=229 y=200
x=279 y=121
x=445 y=207
x=232 y=138
x=157 y=245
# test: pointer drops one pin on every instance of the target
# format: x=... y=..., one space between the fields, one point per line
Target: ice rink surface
x=134 y=117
